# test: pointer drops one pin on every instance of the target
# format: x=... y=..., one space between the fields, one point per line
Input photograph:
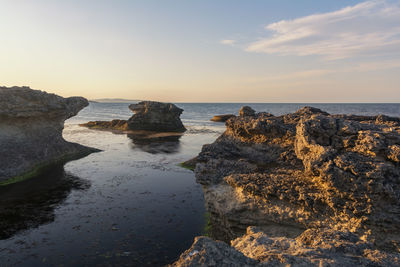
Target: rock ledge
x=31 y=124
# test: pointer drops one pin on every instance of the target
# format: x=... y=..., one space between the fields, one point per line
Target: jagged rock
x=307 y=174
x=206 y=252
x=322 y=247
x=31 y=124
x=149 y=116
x=246 y=111
x=222 y=118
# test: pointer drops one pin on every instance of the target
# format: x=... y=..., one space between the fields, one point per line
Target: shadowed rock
x=322 y=189
x=31 y=125
x=246 y=111
x=149 y=116
x=156 y=116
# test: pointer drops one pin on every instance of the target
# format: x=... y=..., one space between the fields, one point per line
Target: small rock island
x=303 y=189
x=31 y=125
x=149 y=116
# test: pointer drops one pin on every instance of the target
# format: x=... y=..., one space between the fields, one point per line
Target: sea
x=130 y=204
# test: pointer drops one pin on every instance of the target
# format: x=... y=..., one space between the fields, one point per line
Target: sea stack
x=150 y=116
x=156 y=116
x=301 y=189
x=31 y=125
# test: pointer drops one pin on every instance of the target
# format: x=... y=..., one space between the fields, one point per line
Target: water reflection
x=163 y=143
x=31 y=203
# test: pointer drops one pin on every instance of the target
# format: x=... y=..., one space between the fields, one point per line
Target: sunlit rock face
x=31 y=125
x=156 y=116
x=320 y=188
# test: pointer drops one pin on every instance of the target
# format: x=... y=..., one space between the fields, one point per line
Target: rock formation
x=222 y=118
x=149 y=116
x=156 y=116
x=246 y=111
x=31 y=124
x=306 y=188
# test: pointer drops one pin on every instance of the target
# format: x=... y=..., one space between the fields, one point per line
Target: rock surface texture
x=306 y=188
x=31 y=124
x=149 y=116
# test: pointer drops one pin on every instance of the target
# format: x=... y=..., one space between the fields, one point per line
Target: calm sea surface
x=129 y=205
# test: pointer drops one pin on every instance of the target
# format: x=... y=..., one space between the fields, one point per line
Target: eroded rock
x=31 y=124
x=156 y=116
x=307 y=175
x=149 y=116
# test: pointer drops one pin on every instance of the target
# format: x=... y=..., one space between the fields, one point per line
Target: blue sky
x=204 y=51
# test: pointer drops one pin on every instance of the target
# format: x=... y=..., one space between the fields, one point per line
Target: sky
x=204 y=51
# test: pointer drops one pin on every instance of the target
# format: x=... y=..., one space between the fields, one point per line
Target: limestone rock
x=156 y=116
x=31 y=124
x=206 y=252
x=149 y=116
x=307 y=175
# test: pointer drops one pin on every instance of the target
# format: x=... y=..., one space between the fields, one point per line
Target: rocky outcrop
x=149 y=116
x=246 y=111
x=31 y=125
x=156 y=116
x=320 y=188
x=222 y=118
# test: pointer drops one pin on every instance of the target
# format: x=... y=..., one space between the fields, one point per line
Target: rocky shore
x=149 y=116
x=31 y=125
x=302 y=189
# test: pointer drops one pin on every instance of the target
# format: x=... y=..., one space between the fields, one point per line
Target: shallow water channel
x=129 y=205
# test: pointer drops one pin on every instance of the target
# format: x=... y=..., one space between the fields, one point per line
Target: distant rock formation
x=149 y=116
x=31 y=124
x=246 y=111
x=306 y=188
x=222 y=118
x=156 y=116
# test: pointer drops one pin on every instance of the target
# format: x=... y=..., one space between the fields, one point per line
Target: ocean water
x=129 y=205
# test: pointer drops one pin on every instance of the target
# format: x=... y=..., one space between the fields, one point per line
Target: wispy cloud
x=228 y=42
x=371 y=27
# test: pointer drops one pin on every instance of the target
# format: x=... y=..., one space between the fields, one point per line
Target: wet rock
x=321 y=189
x=31 y=125
x=222 y=118
x=119 y=125
x=149 y=116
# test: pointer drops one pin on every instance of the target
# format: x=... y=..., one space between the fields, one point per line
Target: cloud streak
x=368 y=28
x=228 y=42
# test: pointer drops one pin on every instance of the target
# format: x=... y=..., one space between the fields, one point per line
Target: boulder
x=246 y=111
x=31 y=125
x=222 y=118
x=149 y=116
x=156 y=116
x=320 y=189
